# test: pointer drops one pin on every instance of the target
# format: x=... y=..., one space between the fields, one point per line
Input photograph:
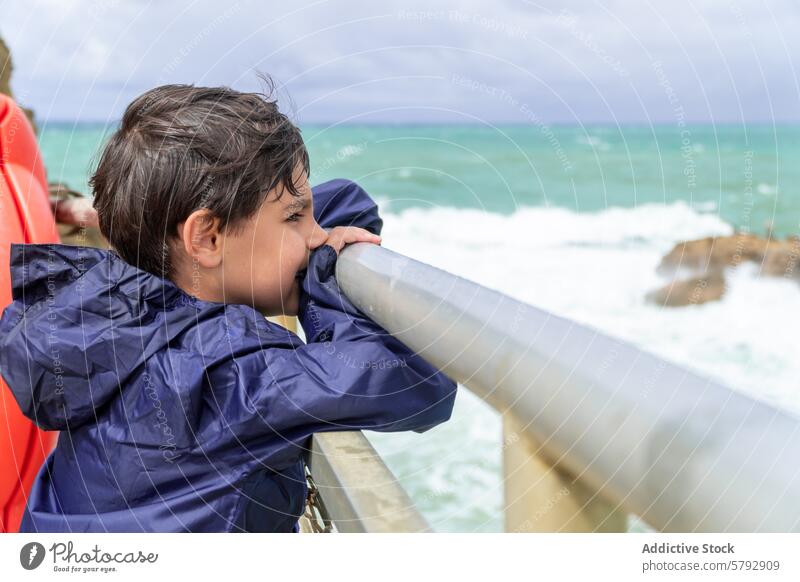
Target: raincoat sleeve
x=375 y=381
x=351 y=374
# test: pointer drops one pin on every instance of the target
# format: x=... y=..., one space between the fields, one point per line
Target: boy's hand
x=74 y=211
x=340 y=236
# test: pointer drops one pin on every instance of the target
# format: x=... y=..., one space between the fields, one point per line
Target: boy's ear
x=200 y=238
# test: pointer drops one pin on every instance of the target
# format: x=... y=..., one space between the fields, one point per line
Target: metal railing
x=595 y=428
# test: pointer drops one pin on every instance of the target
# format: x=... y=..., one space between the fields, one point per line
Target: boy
x=181 y=408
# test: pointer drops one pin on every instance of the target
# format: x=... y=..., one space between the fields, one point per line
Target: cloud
x=567 y=61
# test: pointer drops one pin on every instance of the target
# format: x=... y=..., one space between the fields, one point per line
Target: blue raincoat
x=178 y=414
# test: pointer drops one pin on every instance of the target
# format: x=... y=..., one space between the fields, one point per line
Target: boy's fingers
x=369 y=238
x=367 y=235
x=351 y=234
x=360 y=235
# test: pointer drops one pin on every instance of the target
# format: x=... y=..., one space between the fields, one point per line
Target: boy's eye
x=294 y=217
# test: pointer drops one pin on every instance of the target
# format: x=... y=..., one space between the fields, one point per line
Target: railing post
x=540 y=497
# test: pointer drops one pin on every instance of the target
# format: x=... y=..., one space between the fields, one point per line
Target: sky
x=335 y=61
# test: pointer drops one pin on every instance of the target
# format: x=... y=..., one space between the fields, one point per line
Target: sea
x=573 y=219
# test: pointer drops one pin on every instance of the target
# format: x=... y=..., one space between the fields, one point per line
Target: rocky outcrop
x=691 y=291
x=5 y=68
x=698 y=267
x=777 y=257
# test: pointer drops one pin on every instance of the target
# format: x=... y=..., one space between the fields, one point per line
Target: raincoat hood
x=82 y=321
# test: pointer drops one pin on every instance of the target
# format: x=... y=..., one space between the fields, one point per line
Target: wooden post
x=542 y=498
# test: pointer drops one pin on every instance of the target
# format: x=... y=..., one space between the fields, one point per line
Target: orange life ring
x=25 y=217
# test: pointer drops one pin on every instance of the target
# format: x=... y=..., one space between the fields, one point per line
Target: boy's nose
x=318 y=237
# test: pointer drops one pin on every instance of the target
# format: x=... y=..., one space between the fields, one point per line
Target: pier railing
x=594 y=428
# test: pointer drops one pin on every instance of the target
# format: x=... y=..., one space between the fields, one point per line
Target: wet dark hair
x=180 y=148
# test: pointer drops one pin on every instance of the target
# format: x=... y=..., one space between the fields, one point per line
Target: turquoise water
x=748 y=175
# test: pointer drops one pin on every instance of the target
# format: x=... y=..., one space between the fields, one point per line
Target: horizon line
x=670 y=123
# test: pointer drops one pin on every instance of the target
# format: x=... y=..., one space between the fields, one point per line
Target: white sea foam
x=349 y=151
x=706 y=206
x=594 y=142
x=594 y=268
x=766 y=189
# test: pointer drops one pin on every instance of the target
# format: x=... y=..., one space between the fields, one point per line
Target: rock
x=693 y=291
x=716 y=253
x=704 y=261
x=5 y=69
x=783 y=261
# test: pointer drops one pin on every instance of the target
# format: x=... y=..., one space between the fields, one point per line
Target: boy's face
x=262 y=259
